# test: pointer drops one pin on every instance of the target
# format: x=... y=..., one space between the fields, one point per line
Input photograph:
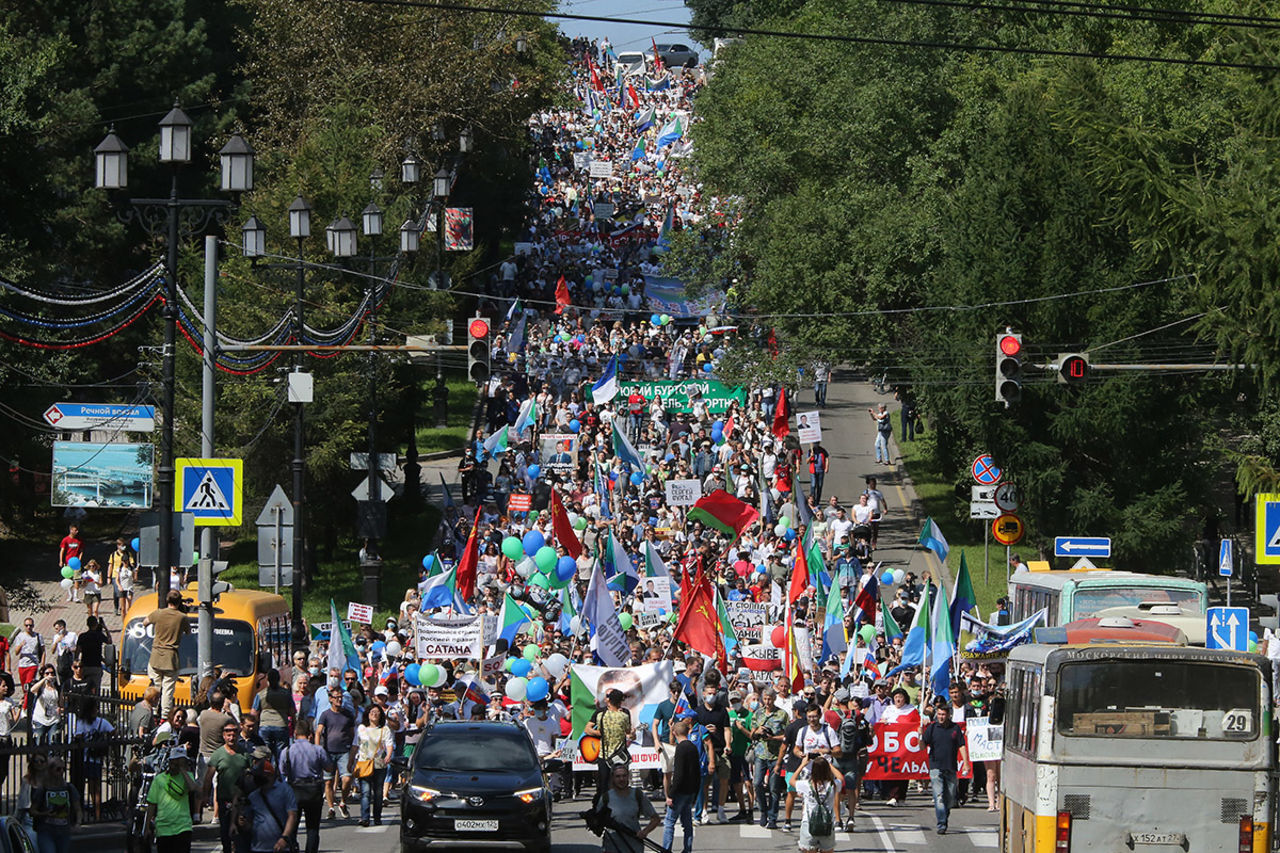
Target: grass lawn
x=462 y=400
x=936 y=490
x=340 y=579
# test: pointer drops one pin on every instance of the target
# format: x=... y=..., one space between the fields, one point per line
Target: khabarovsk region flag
x=606 y=387
x=644 y=688
x=342 y=651
x=931 y=537
x=626 y=452
x=496 y=443
x=528 y=415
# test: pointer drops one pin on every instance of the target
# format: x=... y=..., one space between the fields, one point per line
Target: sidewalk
x=849 y=434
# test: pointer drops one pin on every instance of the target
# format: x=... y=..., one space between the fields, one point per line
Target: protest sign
x=809 y=427
x=897 y=753
x=601 y=169
x=642 y=758
x=678 y=395
x=644 y=688
x=491 y=668
x=361 y=613
x=559 y=451
x=581 y=159
x=657 y=595
x=519 y=503
x=683 y=492
x=450 y=637
x=761 y=658
x=748 y=619
x=986 y=741
x=648 y=620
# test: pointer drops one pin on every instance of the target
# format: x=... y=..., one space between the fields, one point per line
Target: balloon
x=512 y=548
x=887 y=578
x=517 y=688
x=545 y=557
x=66 y=583
x=541 y=581
x=531 y=651
x=1253 y=636
x=671 y=618
x=74 y=564
x=556 y=664
x=566 y=567
x=708 y=367
x=625 y=620
x=899 y=576
x=508 y=664
x=778 y=636
x=195 y=557
x=574 y=425
x=637 y=478
x=68 y=572
x=626 y=289
x=134 y=544
x=1253 y=646
x=537 y=689
x=533 y=515
x=656 y=319
x=411 y=674
x=526 y=567
x=575 y=625
x=533 y=540
x=427 y=561
x=789 y=535
x=521 y=668
x=438 y=681
x=534 y=470
x=580 y=524
x=779 y=529
x=393 y=649
x=867 y=633
x=761 y=570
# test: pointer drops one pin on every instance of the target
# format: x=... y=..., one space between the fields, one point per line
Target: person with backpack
x=855 y=742
x=226 y=767
x=818 y=791
x=303 y=765
x=269 y=816
x=613 y=726
x=624 y=806
x=169 y=804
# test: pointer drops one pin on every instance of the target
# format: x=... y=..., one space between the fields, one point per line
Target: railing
x=99 y=768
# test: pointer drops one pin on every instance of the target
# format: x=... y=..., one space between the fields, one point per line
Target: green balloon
x=511 y=548
x=428 y=673
x=541 y=581
x=531 y=652
x=1253 y=646
x=867 y=633
x=545 y=558
x=554 y=580
x=671 y=618
x=506 y=664
x=533 y=516
x=68 y=572
x=624 y=619
x=580 y=524
x=195 y=557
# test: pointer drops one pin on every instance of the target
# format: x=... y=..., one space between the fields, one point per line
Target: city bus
x=1135 y=745
x=250 y=635
x=1078 y=594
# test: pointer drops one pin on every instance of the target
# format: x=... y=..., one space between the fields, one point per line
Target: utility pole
x=204 y=571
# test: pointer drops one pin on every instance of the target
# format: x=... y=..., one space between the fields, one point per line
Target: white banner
x=986 y=741
x=450 y=637
x=601 y=169
x=657 y=595
x=683 y=492
x=642 y=758
x=644 y=688
x=748 y=619
x=362 y=613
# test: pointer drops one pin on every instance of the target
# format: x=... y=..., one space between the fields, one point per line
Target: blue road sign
x=212 y=490
x=78 y=416
x=1082 y=546
x=1267 y=529
x=984 y=470
x=1227 y=628
x=1226 y=559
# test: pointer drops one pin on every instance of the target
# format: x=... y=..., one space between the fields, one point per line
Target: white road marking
x=885 y=839
x=984 y=838
x=907 y=834
x=753 y=830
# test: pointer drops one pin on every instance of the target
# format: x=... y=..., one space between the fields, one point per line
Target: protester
x=169 y=804
x=304 y=766
x=170 y=626
x=56 y=808
x=947 y=752
x=681 y=787
x=625 y=806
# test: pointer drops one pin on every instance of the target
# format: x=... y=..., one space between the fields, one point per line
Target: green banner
x=678 y=396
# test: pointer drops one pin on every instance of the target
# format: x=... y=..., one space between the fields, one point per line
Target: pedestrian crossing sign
x=212 y=490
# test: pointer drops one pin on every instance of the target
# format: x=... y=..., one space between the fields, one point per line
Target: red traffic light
x=478 y=328
x=1010 y=345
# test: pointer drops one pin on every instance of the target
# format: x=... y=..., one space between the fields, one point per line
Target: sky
x=627 y=36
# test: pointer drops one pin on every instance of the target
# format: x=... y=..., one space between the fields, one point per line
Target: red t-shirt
x=69 y=547
x=636 y=403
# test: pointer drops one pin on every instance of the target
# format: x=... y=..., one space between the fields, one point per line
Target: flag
x=698 y=626
x=515 y=306
x=646 y=689
x=342 y=651
x=516 y=342
x=562 y=295
x=931 y=537
x=562 y=528
x=867 y=597
x=496 y=443
x=606 y=387
x=942 y=648
x=528 y=415
x=962 y=598
x=567 y=610
x=637 y=153
x=918 y=636
x=625 y=451
x=782 y=416
x=602 y=493
x=595 y=76
x=791 y=655
x=444 y=491
x=727 y=634
x=635 y=98
x=608 y=640
x=724 y=512
x=653 y=565
x=891 y=627
x=670 y=132
x=618 y=567
x=657 y=57
x=472 y=692
x=510 y=618
x=470 y=559
x=834 y=638
x=813 y=557
x=668 y=223
x=869 y=664
x=799 y=578
x=644 y=120
x=438 y=590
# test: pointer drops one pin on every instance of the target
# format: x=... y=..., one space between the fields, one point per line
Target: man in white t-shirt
x=817 y=738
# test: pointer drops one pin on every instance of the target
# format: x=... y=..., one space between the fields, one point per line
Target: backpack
x=850 y=733
x=820 y=822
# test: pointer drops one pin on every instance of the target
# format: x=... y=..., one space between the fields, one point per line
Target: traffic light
x=1073 y=368
x=208 y=587
x=478 y=350
x=1008 y=368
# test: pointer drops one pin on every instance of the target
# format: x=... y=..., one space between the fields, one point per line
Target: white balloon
x=441 y=677
x=65 y=583
x=517 y=688
x=393 y=650
x=526 y=567
x=575 y=625
x=899 y=576
x=556 y=664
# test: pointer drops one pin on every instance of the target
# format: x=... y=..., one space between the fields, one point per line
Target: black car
x=475 y=785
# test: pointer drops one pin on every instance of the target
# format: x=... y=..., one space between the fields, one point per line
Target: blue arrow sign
x=1082 y=546
x=1227 y=628
x=1226 y=559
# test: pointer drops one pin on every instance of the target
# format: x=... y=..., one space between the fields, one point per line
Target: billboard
x=97 y=474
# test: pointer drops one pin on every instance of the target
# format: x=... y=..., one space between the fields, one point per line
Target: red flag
x=698 y=626
x=563 y=528
x=799 y=575
x=657 y=58
x=466 y=576
x=562 y=295
x=790 y=655
x=635 y=99
x=595 y=78
x=728 y=428
x=781 y=415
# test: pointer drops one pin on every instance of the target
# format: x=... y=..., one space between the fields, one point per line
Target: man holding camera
x=768 y=724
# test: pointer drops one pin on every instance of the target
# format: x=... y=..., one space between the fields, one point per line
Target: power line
x=827 y=37
x=1223 y=16
x=1090 y=10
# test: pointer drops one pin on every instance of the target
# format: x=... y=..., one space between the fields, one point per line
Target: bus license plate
x=1159 y=838
x=460 y=825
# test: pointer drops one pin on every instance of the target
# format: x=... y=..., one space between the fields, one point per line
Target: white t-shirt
x=839 y=527
x=824 y=737
x=543 y=733
x=861 y=513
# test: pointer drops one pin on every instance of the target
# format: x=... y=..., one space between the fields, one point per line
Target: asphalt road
x=879 y=828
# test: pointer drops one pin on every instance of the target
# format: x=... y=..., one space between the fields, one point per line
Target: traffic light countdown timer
x=478 y=353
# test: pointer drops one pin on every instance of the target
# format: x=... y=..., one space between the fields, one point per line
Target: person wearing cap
x=269 y=815
x=169 y=804
x=225 y=768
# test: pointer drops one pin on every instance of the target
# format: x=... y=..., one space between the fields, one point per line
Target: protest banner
x=761 y=658
x=559 y=451
x=986 y=742
x=748 y=619
x=446 y=637
x=642 y=758
x=683 y=492
x=644 y=688
x=678 y=395
x=896 y=753
x=657 y=596
x=520 y=503
x=601 y=169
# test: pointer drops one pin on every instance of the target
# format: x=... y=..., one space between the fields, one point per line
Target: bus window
x=1023 y=712
x=1157 y=698
x=232 y=647
x=1090 y=600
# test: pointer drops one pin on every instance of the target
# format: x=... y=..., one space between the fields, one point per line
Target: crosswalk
x=889 y=835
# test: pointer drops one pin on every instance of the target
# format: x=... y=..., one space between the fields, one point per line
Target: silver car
x=676 y=55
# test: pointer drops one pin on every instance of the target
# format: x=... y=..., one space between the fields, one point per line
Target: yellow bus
x=251 y=634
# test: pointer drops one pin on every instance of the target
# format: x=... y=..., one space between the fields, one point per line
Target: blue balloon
x=887 y=578
x=670 y=457
x=566 y=567
x=1253 y=636
x=537 y=689
x=637 y=478
x=411 y=674
x=427 y=561
x=574 y=425
x=134 y=544
x=656 y=319
x=789 y=535
x=707 y=368
x=74 y=563
x=521 y=667
x=533 y=540
x=761 y=570
x=719 y=424
x=534 y=470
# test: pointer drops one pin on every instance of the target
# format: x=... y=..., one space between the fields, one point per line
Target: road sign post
x=212 y=490
x=984 y=470
x=1267 y=517
x=1227 y=628
x=74 y=417
x=1226 y=564
x=275 y=535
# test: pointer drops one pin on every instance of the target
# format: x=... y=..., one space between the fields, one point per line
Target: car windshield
x=232 y=647
x=1087 y=602
x=476 y=750
x=1158 y=699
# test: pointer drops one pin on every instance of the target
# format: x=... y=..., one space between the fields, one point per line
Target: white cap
x=381 y=690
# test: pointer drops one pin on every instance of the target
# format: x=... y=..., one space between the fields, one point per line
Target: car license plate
x=1159 y=838
x=460 y=825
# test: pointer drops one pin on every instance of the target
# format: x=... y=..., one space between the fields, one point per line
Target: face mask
x=754 y=705
x=710 y=698
x=315 y=671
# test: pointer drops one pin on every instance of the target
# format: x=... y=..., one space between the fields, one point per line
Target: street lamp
x=440 y=190
x=344 y=238
x=409 y=236
x=253 y=238
x=465 y=141
x=299 y=219
x=170 y=217
x=372 y=220
x=410 y=169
